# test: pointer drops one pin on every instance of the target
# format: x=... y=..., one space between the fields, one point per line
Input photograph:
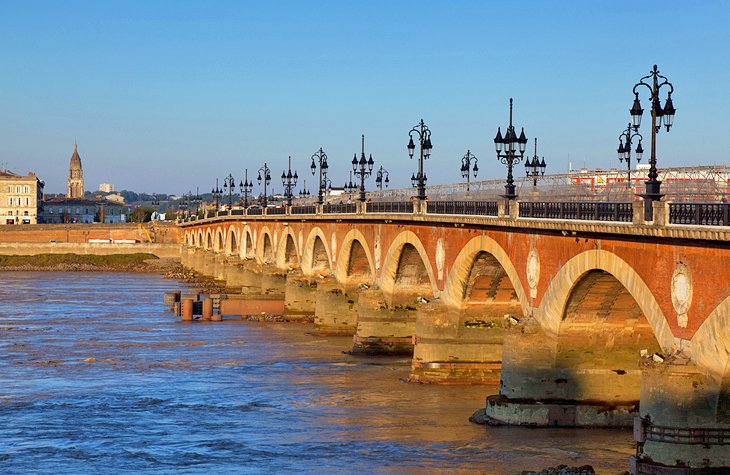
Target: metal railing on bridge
x=578 y=210
x=305 y=209
x=470 y=208
x=681 y=213
x=704 y=214
x=344 y=208
x=390 y=207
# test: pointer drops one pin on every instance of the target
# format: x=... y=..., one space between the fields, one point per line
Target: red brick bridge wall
x=678 y=284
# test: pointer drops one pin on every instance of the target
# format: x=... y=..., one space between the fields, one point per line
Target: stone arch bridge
x=585 y=322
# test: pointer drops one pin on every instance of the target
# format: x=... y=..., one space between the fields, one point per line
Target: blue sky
x=166 y=96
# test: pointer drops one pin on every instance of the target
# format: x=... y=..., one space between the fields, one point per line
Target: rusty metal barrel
x=207 y=309
x=187 y=310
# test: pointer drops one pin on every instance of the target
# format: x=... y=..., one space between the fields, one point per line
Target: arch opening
x=234 y=243
x=290 y=251
x=411 y=275
x=209 y=243
x=319 y=255
x=488 y=289
x=603 y=327
x=358 y=264
x=248 y=251
x=268 y=256
x=220 y=246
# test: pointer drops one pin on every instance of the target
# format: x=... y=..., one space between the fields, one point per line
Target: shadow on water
x=95 y=376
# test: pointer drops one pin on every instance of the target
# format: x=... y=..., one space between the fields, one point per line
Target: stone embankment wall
x=160 y=239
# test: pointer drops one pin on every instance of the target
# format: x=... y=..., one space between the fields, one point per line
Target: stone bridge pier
x=336 y=306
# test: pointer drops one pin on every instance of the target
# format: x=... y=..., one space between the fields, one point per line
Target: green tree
x=140 y=215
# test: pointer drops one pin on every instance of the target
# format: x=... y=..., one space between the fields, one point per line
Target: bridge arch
x=316 y=255
x=220 y=240
x=232 y=241
x=355 y=262
x=265 y=253
x=287 y=255
x=407 y=262
x=480 y=248
x=208 y=239
x=199 y=239
x=588 y=265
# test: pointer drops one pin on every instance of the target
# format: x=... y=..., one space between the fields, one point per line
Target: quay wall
x=160 y=239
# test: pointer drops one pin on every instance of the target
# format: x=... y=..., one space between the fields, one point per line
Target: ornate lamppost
x=266 y=180
x=624 y=150
x=350 y=187
x=304 y=192
x=229 y=183
x=658 y=114
x=535 y=168
x=197 y=200
x=424 y=139
x=289 y=180
x=217 y=193
x=183 y=207
x=321 y=160
x=362 y=168
x=382 y=178
x=466 y=162
x=510 y=150
x=246 y=187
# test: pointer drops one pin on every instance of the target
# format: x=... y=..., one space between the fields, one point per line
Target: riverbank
x=144 y=263
x=137 y=262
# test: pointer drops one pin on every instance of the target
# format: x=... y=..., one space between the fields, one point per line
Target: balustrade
x=390 y=207
x=340 y=208
x=578 y=210
x=702 y=214
x=472 y=208
x=304 y=209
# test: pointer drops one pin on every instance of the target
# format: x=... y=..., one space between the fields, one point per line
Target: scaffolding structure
x=710 y=183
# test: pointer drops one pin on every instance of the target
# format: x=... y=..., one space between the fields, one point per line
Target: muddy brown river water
x=97 y=377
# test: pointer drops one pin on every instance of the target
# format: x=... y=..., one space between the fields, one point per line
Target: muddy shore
x=137 y=263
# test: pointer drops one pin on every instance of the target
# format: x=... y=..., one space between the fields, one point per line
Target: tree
x=140 y=215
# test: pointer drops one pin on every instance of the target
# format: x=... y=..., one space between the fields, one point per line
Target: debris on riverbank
x=137 y=262
x=207 y=285
x=563 y=470
x=278 y=318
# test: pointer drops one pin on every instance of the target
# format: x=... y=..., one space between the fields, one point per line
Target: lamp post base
x=651 y=195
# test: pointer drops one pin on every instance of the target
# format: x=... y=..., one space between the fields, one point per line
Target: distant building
x=106 y=187
x=83 y=210
x=116 y=197
x=75 y=188
x=21 y=198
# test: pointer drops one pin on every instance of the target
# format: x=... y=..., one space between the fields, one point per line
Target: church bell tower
x=75 y=187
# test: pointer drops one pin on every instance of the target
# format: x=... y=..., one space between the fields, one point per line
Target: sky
x=166 y=96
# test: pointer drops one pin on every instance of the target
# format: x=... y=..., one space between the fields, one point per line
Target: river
x=96 y=376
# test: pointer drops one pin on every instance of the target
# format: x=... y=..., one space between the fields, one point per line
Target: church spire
x=75 y=188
